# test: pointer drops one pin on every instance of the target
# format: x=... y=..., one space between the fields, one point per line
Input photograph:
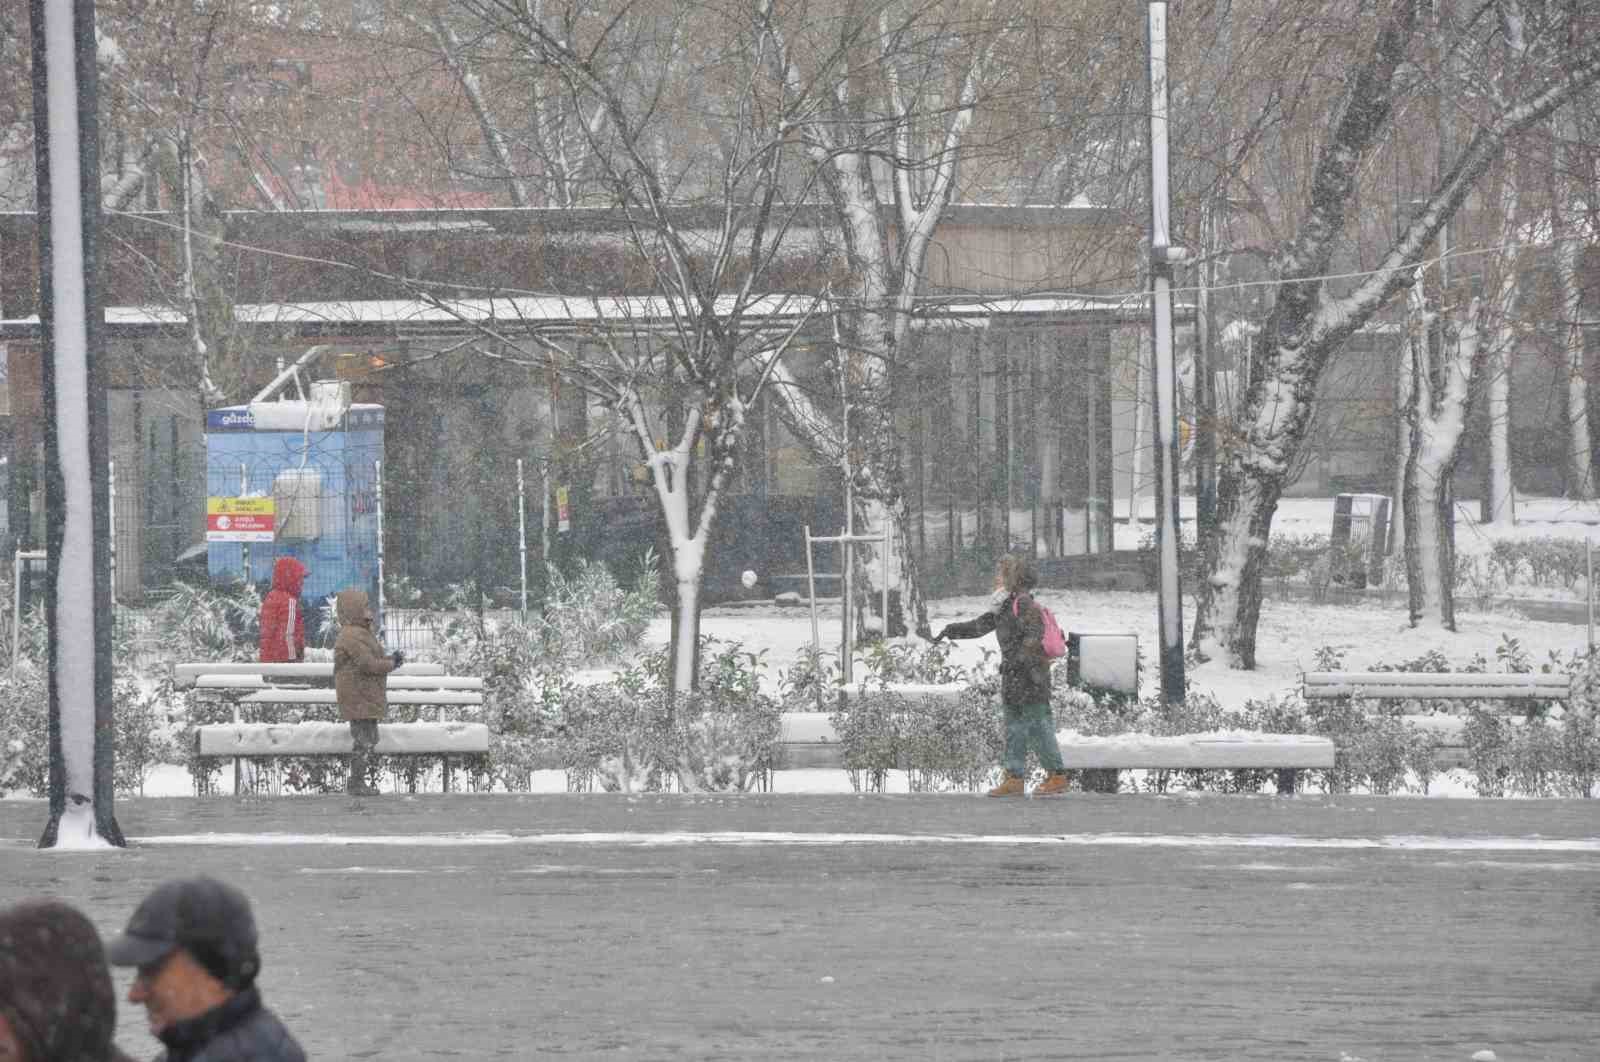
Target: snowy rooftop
x=446 y=314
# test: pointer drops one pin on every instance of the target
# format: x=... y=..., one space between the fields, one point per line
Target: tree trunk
x=1438 y=415
x=1580 y=453
x=1497 y=359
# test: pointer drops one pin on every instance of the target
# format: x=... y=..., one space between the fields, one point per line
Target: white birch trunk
x=1497 y=359
x=1569 y=251
x=1404 y=395
x=1438 y=417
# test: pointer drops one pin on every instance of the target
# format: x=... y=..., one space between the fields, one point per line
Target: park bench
x=1435 y=686
x=1447 y=730
x=808 y=739
x=243 y=685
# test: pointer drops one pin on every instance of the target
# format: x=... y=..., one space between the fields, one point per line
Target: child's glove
x=398 y=657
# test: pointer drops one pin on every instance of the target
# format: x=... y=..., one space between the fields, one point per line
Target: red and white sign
x=240 y=519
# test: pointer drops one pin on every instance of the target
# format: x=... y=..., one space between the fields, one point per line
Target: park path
x=845 y=927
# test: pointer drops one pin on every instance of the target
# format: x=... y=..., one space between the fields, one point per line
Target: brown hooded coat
x=55 y=988
x=359 y=662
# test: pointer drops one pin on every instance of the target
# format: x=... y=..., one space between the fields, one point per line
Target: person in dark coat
x=57 y=1003
x=1024 y=676
x=283 y=621
x=193 y=944
x=360 y=678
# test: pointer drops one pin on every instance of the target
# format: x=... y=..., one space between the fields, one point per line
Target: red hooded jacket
x=283 y=624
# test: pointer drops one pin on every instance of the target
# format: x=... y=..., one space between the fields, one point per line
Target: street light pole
x=77 y=518
x=1163 y=257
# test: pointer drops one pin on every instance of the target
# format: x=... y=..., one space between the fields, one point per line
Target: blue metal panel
x=240 y=459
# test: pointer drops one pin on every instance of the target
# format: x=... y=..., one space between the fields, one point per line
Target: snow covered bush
x=728 y=729
x=616 y=733
x=811 y=683
x=952 y=744
x=913 y=660
x=723 y=736
x=25 y=711
x=139 y=716
x=868 y=725
x=942 y=743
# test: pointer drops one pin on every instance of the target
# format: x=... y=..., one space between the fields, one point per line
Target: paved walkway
x=943 y=927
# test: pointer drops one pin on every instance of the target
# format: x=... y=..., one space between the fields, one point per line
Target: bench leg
x=1288 y=781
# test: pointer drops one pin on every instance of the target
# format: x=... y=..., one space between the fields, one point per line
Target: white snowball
x=748 y=579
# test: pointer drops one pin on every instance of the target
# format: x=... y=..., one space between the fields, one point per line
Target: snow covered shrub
x=25 y=710
x=952 y=744
x=590 y=618
x=868 y=725
x=1374 y=746
x=1488 y=740
x=728 y=729
x=1536 y=756
x=811 y=683
x=142 y=741
x=207 y=623
x=1580 y=755
x=912 y=660
x=616 y=732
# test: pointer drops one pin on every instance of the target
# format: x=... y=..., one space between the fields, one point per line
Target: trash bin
x=1358 y=540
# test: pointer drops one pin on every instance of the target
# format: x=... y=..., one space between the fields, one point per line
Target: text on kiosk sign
x=240 y=519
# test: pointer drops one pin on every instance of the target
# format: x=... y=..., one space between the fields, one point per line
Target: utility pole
x=77 y=517
x=1163 y=257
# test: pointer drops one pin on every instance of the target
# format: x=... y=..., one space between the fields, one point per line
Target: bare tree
x=898 y=115
x=681 y=367
x=1309 y=322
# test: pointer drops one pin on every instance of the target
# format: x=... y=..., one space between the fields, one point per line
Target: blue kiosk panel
x=325 y=483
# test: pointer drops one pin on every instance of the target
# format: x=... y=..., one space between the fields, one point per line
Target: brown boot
x=1054 y=785
x=1010 y=785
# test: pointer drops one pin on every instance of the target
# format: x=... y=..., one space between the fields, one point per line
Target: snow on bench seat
x=1423 y=685
x=246 y=740
x=811 y=741
x=321 y=695
x=1215 y=750
x=395 y=681
x=184 y=675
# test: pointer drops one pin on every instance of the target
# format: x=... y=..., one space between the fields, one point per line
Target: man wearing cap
x=193 y=943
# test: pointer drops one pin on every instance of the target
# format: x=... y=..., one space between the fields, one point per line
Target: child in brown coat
x=360 y=671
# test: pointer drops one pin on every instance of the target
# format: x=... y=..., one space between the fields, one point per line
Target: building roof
x=417 y=317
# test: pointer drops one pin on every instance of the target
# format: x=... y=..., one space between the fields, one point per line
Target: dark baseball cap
x=209 y=919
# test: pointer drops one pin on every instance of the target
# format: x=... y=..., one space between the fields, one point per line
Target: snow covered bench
x=1433 y=686
x=809 y=740
x=1446 y=731
x=254 y=684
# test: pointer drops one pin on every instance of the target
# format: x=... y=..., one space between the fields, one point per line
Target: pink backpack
x=1053 y=641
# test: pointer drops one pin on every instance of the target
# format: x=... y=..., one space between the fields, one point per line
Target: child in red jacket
x=283 y=623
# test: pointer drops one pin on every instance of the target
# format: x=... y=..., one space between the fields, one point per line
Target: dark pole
x=1163 y=256
x=77 y=520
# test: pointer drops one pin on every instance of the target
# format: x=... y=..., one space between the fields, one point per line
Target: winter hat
x=55 y=989
x=209 y=919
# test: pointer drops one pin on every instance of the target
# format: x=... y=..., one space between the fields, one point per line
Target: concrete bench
x=255 y=684
x=1423 y=685
x=808 y=739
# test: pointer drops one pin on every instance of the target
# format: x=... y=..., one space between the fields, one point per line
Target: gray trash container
x=1359 y=539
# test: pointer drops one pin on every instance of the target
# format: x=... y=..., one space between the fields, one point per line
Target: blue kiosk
x=296 y=477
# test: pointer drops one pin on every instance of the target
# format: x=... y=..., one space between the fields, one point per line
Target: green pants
x=1031 y=725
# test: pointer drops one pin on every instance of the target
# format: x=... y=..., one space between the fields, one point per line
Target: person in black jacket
x=1024 y=676
x=193 y=942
